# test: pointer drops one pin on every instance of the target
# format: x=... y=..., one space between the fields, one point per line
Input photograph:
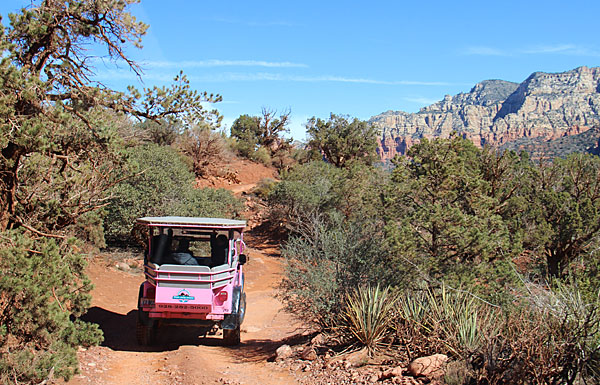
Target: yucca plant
x=461 y=319
x=369 y=314
x=453 y=319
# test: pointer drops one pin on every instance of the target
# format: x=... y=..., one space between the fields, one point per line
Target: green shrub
x=43 y=292
x=325 y=261
x=307 y=190
x=261 y=155
x=553 y=336
x=533 y=346
x=265 y=187
x=162 y=184
x=207 y=202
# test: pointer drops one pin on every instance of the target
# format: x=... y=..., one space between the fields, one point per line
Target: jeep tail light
x=222 y=296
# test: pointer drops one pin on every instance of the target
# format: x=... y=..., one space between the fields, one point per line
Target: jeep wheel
x=231 y=337
x=145 y=331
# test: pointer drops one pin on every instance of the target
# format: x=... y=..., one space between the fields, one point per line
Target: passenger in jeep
x=183 y=255
x=218 y=249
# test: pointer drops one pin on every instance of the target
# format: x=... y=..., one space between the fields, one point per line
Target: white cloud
x=268 y=76
x=152 y=76
x=548 y=49
x=485 y=51
x=562 y=49
x=220 y=63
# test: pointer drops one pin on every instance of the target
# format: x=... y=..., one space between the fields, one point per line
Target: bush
x=161 y=185
x=43 y=292
x=261 y=155
x=442 y=319
x=204 y=147
x=327 y=260
x=535 y=346
x=553 y=337
x=305 y=191
x=265 y=187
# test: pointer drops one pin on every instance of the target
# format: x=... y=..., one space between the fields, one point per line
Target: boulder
x=433 y=367
x=391 y=372
x=358 y=358
x=283 y=352
x=318 y=340
x=309 y=354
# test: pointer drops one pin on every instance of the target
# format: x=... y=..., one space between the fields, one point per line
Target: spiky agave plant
x=368 y=314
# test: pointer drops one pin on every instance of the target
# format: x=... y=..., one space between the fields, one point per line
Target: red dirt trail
x=181 y=355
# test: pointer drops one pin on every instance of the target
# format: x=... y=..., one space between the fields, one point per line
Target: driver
x=183 y=255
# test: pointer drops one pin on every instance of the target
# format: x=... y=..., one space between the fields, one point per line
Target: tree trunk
x=11 y=155
x=552 y=263
x=555 y=260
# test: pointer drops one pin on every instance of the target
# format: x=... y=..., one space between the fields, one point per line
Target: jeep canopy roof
x=214 y=223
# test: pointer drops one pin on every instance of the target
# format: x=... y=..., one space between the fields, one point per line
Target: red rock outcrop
x=496 y=112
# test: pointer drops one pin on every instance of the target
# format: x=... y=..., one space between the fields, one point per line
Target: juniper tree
x=566 y=209
x=254 y=132
x=59 y=157
x=442 y=217
x=342 y=141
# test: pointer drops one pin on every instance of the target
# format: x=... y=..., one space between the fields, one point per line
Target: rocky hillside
x=545 y=107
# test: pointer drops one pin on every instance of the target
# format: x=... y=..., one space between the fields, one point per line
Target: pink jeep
x=194 y=277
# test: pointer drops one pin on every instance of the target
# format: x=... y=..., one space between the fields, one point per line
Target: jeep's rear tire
x=145 y=327
x=231 y=337
x=145 y=330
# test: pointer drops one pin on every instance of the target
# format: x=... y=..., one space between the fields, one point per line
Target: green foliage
x=472 y=223
x=261 y=155
x=265 y=187
x=246 y=130
x=444 y=219
x=305 y=191
x=52 y=116
x=448 y=320
x=553 y=338
x=43 y=292
x=162 y=185
x=161 y=132
x=368 y=315
x=327 y=259
x=342 y=141
x=259 y=136
x=337 y=240
x=208 y=202
x=320 y=188
x=567 y=198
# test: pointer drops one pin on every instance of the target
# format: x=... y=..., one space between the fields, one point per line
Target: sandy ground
x=181 y=356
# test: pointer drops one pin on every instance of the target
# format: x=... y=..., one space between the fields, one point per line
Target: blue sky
x=350 y=57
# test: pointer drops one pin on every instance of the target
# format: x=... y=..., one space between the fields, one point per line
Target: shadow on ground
x=257 y=350
x=267 y=237
x=119 y=334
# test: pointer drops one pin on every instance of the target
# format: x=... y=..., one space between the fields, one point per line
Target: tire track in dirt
x=181 y=356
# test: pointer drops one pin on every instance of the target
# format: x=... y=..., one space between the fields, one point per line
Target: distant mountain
x=541 y=110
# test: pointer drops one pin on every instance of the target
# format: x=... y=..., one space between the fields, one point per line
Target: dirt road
x=181 y=356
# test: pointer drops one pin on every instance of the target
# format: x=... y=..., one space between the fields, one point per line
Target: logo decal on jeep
x=183 y=296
